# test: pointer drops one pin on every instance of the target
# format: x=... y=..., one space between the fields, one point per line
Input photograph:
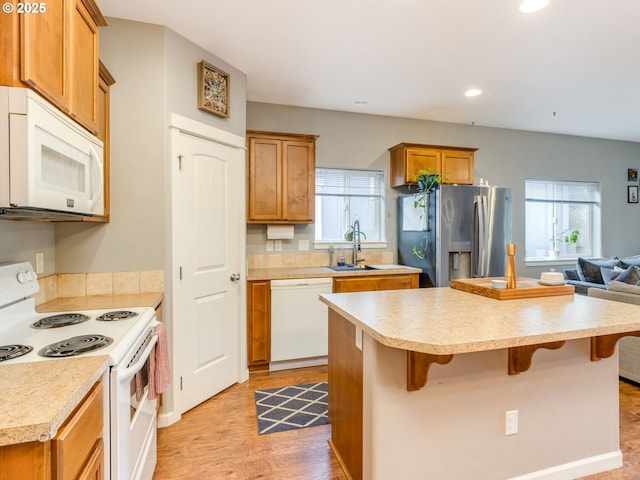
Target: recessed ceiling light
x=530 y=6
x=472 y=92
x=361 y=103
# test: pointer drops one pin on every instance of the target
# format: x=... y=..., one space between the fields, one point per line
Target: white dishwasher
x=299 y=332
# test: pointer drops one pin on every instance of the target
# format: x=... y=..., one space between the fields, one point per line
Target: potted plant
x=348 y=235
x=426 y=181
x=568 y=237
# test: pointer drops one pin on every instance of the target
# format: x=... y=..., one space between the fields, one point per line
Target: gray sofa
x=598 y=272
x=628 y=347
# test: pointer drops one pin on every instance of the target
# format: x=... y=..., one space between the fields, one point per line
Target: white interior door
x=206 y=249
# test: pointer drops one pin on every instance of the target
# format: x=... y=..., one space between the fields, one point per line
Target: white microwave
x=50 y=167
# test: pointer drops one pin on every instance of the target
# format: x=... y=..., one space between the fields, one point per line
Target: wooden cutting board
x=525 y=288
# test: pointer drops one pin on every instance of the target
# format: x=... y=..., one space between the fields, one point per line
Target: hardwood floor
x=219 y=439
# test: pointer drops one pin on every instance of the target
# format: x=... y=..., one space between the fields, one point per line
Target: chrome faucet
x=355 y=232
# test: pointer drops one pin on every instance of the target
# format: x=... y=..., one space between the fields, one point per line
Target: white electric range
x=126 y=335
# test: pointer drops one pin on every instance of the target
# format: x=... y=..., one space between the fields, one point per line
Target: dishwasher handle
x=301 y=283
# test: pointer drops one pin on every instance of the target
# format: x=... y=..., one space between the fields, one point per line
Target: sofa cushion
x=630 y=261
x=589 y=269
x=616 y=286
x=609 y=274
x=570 y=274
x=630 y=276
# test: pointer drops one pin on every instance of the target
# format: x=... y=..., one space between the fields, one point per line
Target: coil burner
x=7 y=352
x=60 y=320
x=117 y=315
x=75 y=346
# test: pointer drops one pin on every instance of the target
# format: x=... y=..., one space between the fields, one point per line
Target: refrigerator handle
x=475 y=237
x=482 y=237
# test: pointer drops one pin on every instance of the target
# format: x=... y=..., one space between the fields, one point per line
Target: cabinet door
x=419 y=159
x=76 y=439
x=259 y=323
x=264 y=202
x=94 y=468
x=298 y=171
x=457 y=167
x=83 y=67
x=375 y=282
x=26 y=461
x=43 y=50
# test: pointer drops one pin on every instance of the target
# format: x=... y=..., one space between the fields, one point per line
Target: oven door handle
x=135 y=368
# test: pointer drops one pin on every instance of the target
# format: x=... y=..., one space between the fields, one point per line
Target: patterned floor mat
x=286 y=408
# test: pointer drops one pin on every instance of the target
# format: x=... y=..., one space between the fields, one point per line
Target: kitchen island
x=420 y=383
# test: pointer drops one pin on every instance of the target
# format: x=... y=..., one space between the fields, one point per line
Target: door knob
x=235 y=277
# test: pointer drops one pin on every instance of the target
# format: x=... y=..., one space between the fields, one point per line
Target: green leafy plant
x=568 y=236
x=348 y=235
x=426 y=181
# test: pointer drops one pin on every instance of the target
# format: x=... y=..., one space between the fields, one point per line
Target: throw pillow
x=609 y=274
x=571 y=275
x=589 y=270
x=630 y=261
x=616 y=286
x=630 y=276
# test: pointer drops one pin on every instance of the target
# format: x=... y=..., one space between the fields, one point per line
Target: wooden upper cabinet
x=281 y=177
x=105 y=81
x=55 y=52
x=457 y=167
x=454 y=164
x=43 y=51
x=84 y=67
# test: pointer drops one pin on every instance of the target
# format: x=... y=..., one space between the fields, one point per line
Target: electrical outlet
x=269 y=245
x=278 y=245
x=511 y=422
x=39 y=262
x=303 y=244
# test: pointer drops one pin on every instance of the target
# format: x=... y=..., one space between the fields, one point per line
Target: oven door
x=133 y=416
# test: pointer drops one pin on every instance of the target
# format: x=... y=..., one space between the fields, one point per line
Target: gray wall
x=20 y=241
x=155 y=71
x=504 y=157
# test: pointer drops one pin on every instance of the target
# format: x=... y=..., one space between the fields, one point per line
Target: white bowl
x=499 y=284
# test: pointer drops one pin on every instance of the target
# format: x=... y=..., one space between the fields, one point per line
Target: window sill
x=540 y=262
x=347 y=245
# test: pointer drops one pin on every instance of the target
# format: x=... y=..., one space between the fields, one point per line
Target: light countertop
x=284 y=273
x=37 y=397
x=445 y=321
x=98 y=302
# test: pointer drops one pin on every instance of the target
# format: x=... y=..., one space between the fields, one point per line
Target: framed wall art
x=632 y=174
x=213 y=90
x=632 y=194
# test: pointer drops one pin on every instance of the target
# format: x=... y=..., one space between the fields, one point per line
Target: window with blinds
x=344 y=194
x=562 y=219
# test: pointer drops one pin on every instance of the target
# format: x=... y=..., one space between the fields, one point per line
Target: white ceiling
x=572 y=68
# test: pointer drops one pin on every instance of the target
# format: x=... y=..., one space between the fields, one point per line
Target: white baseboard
x=298 y=363
x=579 y=468
x=167 y=418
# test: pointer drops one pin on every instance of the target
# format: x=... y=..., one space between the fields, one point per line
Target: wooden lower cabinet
x=75 y=453
x=259 y=324
x=259 y=308
x=375 y=282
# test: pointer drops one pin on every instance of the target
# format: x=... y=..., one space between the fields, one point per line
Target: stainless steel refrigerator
x=461 y=232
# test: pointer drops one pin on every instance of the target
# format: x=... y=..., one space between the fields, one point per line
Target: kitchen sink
x=351 y=268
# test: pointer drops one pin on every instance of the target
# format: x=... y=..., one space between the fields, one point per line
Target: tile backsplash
x=320 y=259
x=102 y=283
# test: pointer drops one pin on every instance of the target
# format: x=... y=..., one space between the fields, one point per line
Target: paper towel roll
x=279 y=232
